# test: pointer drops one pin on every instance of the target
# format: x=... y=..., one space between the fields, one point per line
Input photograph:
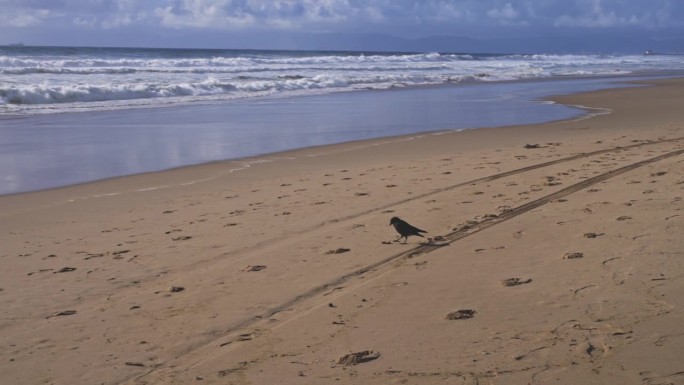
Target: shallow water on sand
x=46 y=151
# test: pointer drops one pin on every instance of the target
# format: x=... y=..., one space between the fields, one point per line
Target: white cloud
x=595 y=15
x=506 y=12
x=307 y=13
x=507 y=15
x=117 y=21
x=204 y=14
x=407 y=18
x=22 y=18
x=85 y=22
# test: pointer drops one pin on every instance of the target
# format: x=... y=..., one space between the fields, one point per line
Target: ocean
x=72 y=115
x=35 y=80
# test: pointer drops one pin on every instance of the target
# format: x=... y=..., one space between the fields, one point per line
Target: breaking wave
x=36 y=80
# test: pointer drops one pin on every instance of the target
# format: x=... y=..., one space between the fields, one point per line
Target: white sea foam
x=54 y=80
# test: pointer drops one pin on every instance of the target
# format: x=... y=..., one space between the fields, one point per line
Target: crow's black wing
x=404 y=228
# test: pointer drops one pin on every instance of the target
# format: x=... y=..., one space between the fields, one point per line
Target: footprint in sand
x=39 y=271
x=461 y=314
x=515 y=281
x=358 y=358
x=62 y=313
x=465 y=226
x=245 y=337
x=134 y=363
x=574 y=255
x=503 y=209
x=254 y=268
x=117 y=254
x=239 y=338
x=337 y=251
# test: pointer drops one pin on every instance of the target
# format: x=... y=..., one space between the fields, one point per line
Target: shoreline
x=609 y=78
x=208 y=171
x=607 y=82
x=561 y=240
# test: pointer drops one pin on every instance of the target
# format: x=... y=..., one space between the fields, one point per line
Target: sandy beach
x=554 y=255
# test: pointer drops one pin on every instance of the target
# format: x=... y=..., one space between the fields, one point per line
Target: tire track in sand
x=388 y=263
x=470 y=182
x=494 y=177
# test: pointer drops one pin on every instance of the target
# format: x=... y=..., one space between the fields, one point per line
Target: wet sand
x=553 y=255
x=40 y=152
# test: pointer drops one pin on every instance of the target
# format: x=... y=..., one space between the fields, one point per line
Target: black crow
x=404 y=229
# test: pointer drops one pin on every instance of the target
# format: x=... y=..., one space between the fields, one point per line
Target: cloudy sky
x=530 y=25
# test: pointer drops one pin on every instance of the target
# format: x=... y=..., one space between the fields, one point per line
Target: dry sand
x=565 y=260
